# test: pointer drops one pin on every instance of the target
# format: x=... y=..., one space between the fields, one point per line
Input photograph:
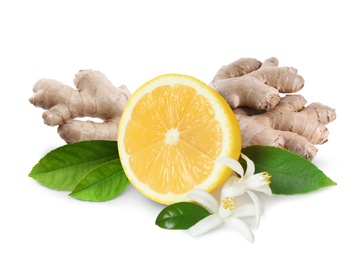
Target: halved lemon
x=171 y=132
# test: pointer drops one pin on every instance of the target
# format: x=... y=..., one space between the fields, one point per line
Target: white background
x=134 y=41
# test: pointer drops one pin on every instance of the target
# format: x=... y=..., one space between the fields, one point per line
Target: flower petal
x=255 y=179
x=257 y=205
x=205 y=199
x=250 y=167
x=205 y=225
x=257 y=182
x=244 y=210
x=232 y=164
x=241 y=227
x=231 y=181
x=234 y=190
x=264 y=189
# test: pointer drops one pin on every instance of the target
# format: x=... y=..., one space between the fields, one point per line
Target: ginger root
x=253 y=91
x=246 y=81
x=250 y=87
x=95 y=97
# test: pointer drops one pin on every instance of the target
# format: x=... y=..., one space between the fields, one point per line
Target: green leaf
x=103 y=183
x=291 y=173
x=64 y=167
x=181 y=215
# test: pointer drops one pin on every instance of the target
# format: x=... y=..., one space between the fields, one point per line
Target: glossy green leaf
x=181 y=215
x=64 y=167
x=103 y=183
x=291 y=173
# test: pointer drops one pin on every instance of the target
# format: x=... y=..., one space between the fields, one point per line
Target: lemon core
x=172 y=136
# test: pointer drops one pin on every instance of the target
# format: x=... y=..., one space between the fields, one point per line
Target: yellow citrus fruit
x=171 y=132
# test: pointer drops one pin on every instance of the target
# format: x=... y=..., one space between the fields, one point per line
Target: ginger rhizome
x=95 y=97
x=260 y=95
x=246 y=81
x=253 y=91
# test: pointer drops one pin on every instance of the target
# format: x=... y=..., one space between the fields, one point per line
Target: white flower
x=247 y=183
x=227 y=211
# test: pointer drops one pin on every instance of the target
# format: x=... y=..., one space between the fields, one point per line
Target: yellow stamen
x=229 y=203
x=267 y=177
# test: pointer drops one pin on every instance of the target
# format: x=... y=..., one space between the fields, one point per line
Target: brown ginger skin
x=289 y=125
x=94 y=97
x=248 y=82
x=253 y=91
